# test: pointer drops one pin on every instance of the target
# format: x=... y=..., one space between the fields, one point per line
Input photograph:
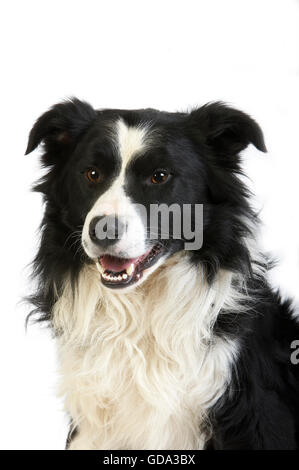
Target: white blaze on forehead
x=130 y=141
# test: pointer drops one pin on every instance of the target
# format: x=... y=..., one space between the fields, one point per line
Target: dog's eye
x=93 y=175
x=159 y=176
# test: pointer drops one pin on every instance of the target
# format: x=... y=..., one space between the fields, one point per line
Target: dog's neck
x=149 y=354
x=177 y=293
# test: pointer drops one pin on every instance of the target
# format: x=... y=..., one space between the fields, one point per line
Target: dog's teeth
x=130 y=269
x=116 y=278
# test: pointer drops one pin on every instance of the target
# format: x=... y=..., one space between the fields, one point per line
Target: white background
x=166 y=54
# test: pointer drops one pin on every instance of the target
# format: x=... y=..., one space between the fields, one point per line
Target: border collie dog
x=159 y=346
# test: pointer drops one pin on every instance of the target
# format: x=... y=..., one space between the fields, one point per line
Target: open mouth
x=122 y=272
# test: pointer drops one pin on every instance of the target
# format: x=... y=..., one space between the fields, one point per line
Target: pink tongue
x=112 y=263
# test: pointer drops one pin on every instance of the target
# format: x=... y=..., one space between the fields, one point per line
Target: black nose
x=106 y=230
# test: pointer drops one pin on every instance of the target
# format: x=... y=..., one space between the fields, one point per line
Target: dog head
x=119 y=180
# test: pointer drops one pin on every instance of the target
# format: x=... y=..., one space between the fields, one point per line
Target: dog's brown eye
x=94 y=175
x=159 y=176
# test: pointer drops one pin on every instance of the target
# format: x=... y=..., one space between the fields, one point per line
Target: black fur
x=263 y=410
x=202 y=148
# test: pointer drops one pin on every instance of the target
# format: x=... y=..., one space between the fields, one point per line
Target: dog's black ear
x=226 y=130
x=60 y=127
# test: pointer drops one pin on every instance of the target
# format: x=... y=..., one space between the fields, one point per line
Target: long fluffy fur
x=198 y=356
x=145 y=365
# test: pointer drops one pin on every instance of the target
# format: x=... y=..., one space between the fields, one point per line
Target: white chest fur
x=140 y=370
